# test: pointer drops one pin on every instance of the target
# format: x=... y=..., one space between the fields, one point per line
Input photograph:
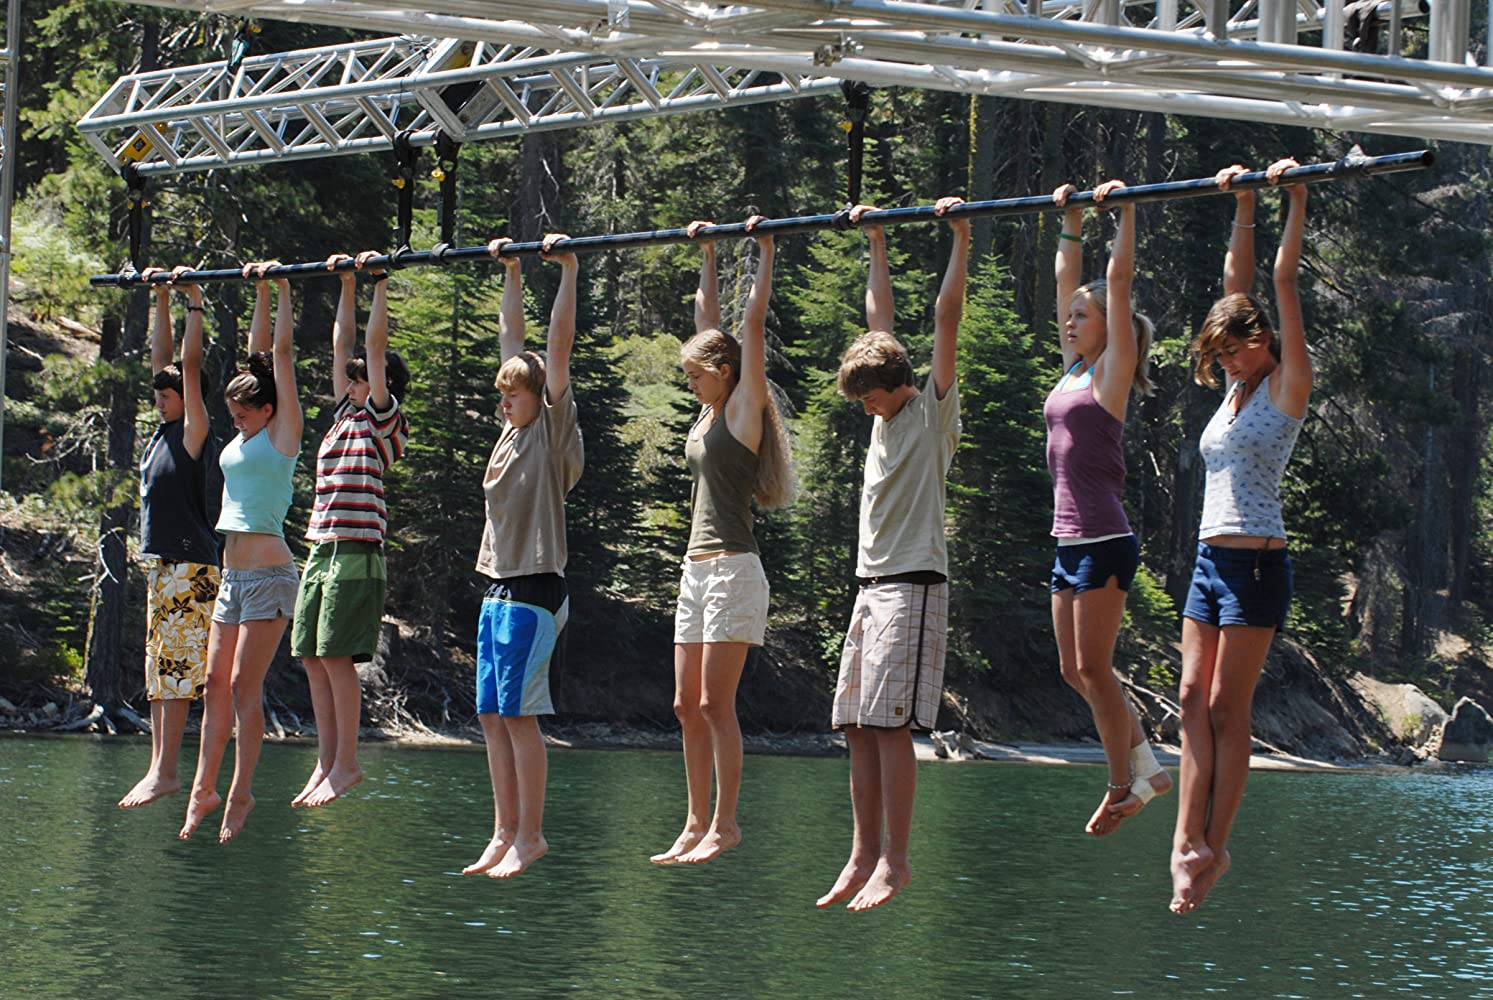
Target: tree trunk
x=106 y=613
x=536 y=209
x=1464 y=460
x=981 y=186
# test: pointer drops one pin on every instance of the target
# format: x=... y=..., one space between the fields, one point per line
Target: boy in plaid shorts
x=891 y=671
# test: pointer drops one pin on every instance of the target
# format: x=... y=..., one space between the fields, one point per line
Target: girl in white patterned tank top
x=1241 y=584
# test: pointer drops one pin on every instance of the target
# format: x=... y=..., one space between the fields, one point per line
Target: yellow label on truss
x=139 y=146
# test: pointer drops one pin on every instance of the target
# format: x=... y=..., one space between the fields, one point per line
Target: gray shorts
x=253 y=595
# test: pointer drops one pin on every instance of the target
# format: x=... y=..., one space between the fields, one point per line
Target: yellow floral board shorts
x=178 y=614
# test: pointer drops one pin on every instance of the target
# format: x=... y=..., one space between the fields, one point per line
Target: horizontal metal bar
x=1312 y=173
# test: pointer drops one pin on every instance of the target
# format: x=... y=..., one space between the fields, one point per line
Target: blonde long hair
x=776 y=484
x=1145 y=330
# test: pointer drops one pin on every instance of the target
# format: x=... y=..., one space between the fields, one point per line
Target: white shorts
x=722 y=600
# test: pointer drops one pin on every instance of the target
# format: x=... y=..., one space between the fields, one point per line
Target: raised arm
x=707 y=293
x=1239 y=261
x=562 y=321
x=1295 y=383
x=259 y=325
x=376 y=336
x=879 y=310
x=950 y=306
x=1121 y=353
x=194 y=414
x=161 y=335
x=751 y=392
x=511 y=311
x=1067 y=267
x=285 y=425
x=344 y=326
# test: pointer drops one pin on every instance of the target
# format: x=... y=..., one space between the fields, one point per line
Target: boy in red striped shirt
x=340 y=604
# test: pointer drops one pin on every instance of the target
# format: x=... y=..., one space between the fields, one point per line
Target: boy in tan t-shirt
x=891 y=671
x=520 y=635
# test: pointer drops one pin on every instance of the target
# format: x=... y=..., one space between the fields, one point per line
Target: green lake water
x=1363 y=885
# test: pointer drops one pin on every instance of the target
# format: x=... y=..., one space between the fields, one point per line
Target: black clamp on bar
x=438 y=254
x=857 y=103
x=397 y=255
x=405 y=156
x=135 y=203
x=447 y=150
x=841 y=219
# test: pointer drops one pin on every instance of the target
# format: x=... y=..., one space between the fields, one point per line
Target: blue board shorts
x=1238 y=586
x=518 y=638
x=1089 y=565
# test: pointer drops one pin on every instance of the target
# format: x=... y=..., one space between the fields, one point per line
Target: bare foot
x=234 y=817
x=1187 y=866
x=1161 y=782
x=491 y=855
x=886 y=881
x=683 y=845
x=336 y=784
x=1115 y=807
x=148 y=789
x=716 y=840
x=1203 y=884
x=198 y=808
x=852 y=877
x=317 y=777
x=521 y=855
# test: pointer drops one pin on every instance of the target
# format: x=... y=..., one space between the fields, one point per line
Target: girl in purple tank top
x=1241 y=584
x=1104 y=345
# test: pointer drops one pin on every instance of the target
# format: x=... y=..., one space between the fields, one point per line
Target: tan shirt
x=527 y=477
x=902 y=496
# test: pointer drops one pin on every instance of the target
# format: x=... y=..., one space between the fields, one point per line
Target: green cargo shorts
x=340 y=603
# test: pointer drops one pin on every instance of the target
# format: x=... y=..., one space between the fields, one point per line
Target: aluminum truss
x=354 y=98
x=564 y=63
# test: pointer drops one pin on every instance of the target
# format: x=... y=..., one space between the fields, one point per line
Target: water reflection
x=1343 y=886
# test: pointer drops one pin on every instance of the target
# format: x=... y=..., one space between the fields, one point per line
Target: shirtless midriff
x=251 y=550
x=1244 y=542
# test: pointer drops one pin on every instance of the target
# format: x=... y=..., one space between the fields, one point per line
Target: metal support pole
x=10 y=59
x=1313 y=173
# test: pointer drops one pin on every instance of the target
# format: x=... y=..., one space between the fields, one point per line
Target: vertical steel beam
x=1449 y=26
x=1334 y=23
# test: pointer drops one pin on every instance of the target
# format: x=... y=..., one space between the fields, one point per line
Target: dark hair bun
x=261 y=365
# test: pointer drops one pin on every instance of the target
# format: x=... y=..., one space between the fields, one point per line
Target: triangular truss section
x=479 y=69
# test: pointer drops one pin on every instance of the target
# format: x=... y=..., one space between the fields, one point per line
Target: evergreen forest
x=1389 y=496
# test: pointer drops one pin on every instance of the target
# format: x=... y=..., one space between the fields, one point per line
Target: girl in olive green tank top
x=737 y=449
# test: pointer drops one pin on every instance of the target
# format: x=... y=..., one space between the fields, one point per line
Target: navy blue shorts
x=1090 y=565
x=1236 y=586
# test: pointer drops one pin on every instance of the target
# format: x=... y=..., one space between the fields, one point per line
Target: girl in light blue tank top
x=257 y=595
x=1241 y=585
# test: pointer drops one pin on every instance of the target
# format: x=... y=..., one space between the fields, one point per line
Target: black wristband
x=194 y=309
x=381 y=276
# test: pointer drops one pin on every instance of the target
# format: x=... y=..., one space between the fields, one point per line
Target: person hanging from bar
x=1105 y=343
x=180 y=490
x=891 y=669
x=257 y=595
x=339 y=607
x=1241 y=583
x=737 y=450
x=537 y=459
